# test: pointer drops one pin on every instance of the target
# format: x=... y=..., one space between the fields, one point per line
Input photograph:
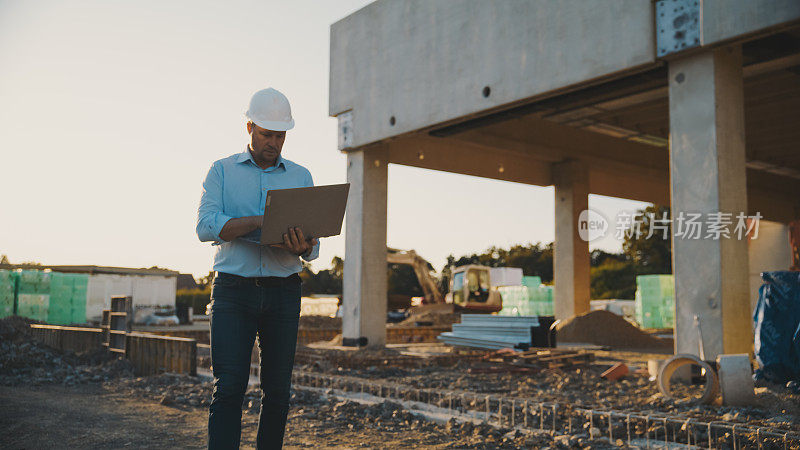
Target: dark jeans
x=242 y=308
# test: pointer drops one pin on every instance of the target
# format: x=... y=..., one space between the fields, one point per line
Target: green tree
x=325 y=281
x=652 y=253
x=205 y=282
x=614 y=275
x=533 y=259
x=613 y=279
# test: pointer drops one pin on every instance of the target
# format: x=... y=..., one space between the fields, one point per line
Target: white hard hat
x=270 y=110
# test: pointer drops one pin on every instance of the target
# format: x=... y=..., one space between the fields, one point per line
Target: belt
x=259 y=281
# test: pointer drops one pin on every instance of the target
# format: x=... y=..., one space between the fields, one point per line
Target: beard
x=267 y=153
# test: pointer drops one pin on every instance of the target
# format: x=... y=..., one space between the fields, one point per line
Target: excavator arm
x=421 y=270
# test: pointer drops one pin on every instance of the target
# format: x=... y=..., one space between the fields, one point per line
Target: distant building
x=187 y=281
x=148 y=287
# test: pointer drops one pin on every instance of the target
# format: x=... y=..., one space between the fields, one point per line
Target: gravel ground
x=776 y=406
x=315 y=420
x=318 y=420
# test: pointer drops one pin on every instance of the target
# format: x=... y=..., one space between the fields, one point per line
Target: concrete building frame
x=677 y=102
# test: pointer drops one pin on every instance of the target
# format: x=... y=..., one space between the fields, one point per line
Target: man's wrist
x=255 y=221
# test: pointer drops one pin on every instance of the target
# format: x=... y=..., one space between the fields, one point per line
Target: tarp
x=777 y=327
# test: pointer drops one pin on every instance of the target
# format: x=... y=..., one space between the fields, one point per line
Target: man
x=256 y=289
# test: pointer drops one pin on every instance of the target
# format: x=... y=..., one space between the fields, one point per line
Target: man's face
x=265 y=144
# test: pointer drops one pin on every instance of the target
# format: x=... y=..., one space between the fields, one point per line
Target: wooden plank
x=168 y=360
x=192 y=359
x=68 y=338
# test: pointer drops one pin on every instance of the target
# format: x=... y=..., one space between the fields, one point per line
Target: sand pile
x=607 y=328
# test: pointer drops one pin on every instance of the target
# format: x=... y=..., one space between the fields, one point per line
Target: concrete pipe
x=681 y=360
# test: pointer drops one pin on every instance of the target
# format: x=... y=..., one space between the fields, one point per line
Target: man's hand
x=295 y=242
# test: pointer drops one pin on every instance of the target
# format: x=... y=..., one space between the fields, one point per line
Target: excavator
x=422 y=269
x=472 y=287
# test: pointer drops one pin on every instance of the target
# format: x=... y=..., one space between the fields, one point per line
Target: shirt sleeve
x=210 y=218
x=314 y=253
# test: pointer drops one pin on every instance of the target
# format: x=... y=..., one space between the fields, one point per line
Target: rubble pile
x=26 y=361
x=169 y=389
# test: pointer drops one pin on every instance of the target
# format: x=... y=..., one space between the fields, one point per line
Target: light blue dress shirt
x=237 y=187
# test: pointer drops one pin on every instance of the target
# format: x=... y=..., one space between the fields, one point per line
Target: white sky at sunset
x=111 y=112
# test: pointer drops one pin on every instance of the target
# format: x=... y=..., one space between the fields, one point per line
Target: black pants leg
x=277 y=339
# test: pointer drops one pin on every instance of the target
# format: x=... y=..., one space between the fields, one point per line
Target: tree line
x=613 y=275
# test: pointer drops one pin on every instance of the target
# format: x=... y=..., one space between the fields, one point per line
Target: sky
x=112 y=112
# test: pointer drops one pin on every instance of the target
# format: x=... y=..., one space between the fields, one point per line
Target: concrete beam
x=429 y=62
x=773 y=196
x=725 y=20
x=707 y=156
x=468 y=159
x=617 y=167
x=365 y=267
x=570 y=252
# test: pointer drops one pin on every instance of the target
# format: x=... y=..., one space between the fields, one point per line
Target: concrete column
x=707 y=175
x=365 y=267
x=571 y=253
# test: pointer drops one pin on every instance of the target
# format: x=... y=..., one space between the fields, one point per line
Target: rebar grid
x=620 y=427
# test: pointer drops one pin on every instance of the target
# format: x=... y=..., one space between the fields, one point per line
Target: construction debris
x=533 y=360
x=617 y=371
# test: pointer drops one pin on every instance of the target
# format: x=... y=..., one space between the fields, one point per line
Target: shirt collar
x=246 y=156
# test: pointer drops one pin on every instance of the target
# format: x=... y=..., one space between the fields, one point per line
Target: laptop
x=317 y=210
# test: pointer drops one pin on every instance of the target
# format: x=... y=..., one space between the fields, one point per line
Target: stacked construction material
x=489 y=331
x=67 y=298
x=532 y=298
x=33 y=293
x=8 y=287
x=655 y=301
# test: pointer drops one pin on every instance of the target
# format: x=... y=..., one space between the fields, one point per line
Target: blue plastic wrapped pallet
x=8 y=282
x=777 y=327
x=655 y=301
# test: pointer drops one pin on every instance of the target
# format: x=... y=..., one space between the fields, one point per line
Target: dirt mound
x=606 y=328
x=431 y=315
x=15 y=328
x=321 y=322
x=430 y=319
